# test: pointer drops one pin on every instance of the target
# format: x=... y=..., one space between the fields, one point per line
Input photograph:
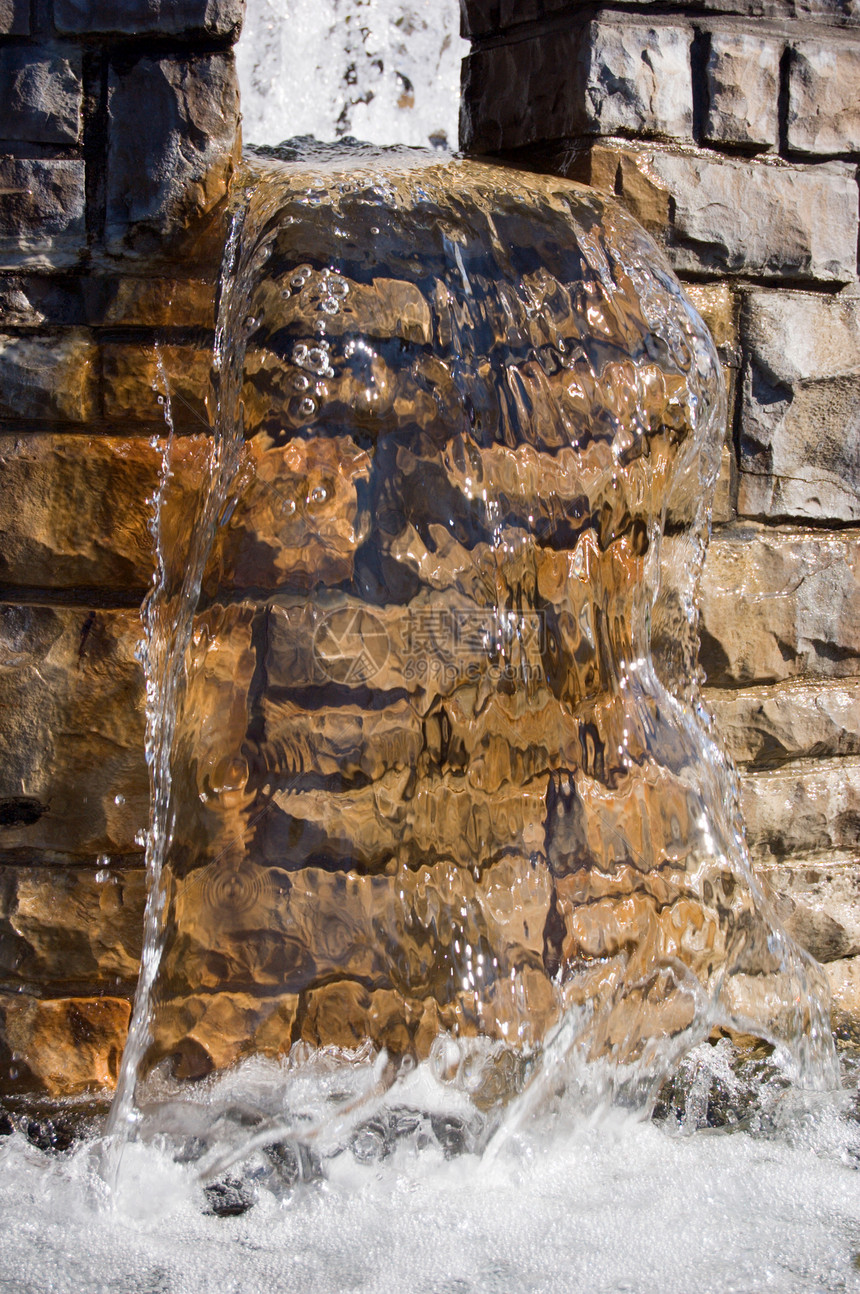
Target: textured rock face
x=41 y=212
x=800 y=437
x=150 y=17
x=724 y=215
x=742 y=84
x=41 y=97
x=172 y=128
x=824 y=116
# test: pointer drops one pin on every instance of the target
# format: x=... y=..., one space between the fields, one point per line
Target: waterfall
x=440 y=822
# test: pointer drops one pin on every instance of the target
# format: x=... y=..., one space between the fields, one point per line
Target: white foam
x=332 y=68
x=622 y=1205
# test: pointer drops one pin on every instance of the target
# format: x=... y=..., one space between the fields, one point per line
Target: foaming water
x=606 y=1204
x=431 y=773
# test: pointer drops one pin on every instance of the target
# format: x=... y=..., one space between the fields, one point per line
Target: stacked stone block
x=732 y=131
x=118 y=136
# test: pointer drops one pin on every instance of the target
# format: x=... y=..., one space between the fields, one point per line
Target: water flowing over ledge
x=420 y=786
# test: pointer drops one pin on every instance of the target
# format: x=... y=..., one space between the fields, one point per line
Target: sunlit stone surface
x=425 y=777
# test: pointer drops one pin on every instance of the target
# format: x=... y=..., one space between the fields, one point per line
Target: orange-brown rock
x=73 y=782
x=64 y=929
x=61 y=1045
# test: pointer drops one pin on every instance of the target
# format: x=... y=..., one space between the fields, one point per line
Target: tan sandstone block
x=790 y=720
x=818 y=900
x=134 y=386
x=779 y=603
x=802 y=808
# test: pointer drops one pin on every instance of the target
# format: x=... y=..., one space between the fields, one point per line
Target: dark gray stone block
x=40 y=95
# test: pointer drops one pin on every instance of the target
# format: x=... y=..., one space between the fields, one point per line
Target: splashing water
x=443 y=847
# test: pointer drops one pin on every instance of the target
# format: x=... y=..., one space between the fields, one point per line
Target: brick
x=824 y=99
x=41 y=212
x=818 y=901
x=150 y=17
x=105 y=300
x=800 y=414
x=68 y=929
x=802 y=808
x=74 y=511
x=742 y=79
x=778 y=603
x=61 y=1046
x=487 y=17
x=790 y=720
x=843 y=977
x=48 y=378
x=132 y=385
x=73 y=781
x=600 y=78
x=638 y=79
x=15 y=17
x=723 y=215
x=40 y=96
x=172 y=144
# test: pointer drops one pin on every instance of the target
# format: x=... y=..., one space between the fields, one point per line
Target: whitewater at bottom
x=738 y=1182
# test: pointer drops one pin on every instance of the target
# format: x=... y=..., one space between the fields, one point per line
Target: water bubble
x=318 y=494
x=301 y=383
x=288 y=507
x=307 y=406
x=119 y=799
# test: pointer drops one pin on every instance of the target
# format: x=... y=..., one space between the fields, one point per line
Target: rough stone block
x=487 y=17
x=724 y=215
x=105 y=300
x=780 y=603
x=132 y=385
x=41 y=212
x=48 y=378
x=15 y=17
x=808 y=806
x=742 y=77
x=73 y=780
x=74 y=511
x=800 y=420
x=150 y=17
x=40 y=95
x=600 y=78
x=638 y=79
x=818 y=900
x=61 y=1045
x=172 y=139
x=782 y=721
x=824 y=99
x=71 y=929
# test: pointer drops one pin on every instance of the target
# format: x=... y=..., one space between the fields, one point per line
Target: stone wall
x=118 y=135
x=732 y=131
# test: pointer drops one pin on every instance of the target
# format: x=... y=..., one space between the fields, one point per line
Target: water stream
x=451 y=915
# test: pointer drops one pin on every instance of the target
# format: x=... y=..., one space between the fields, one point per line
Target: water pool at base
x=604 y=1204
